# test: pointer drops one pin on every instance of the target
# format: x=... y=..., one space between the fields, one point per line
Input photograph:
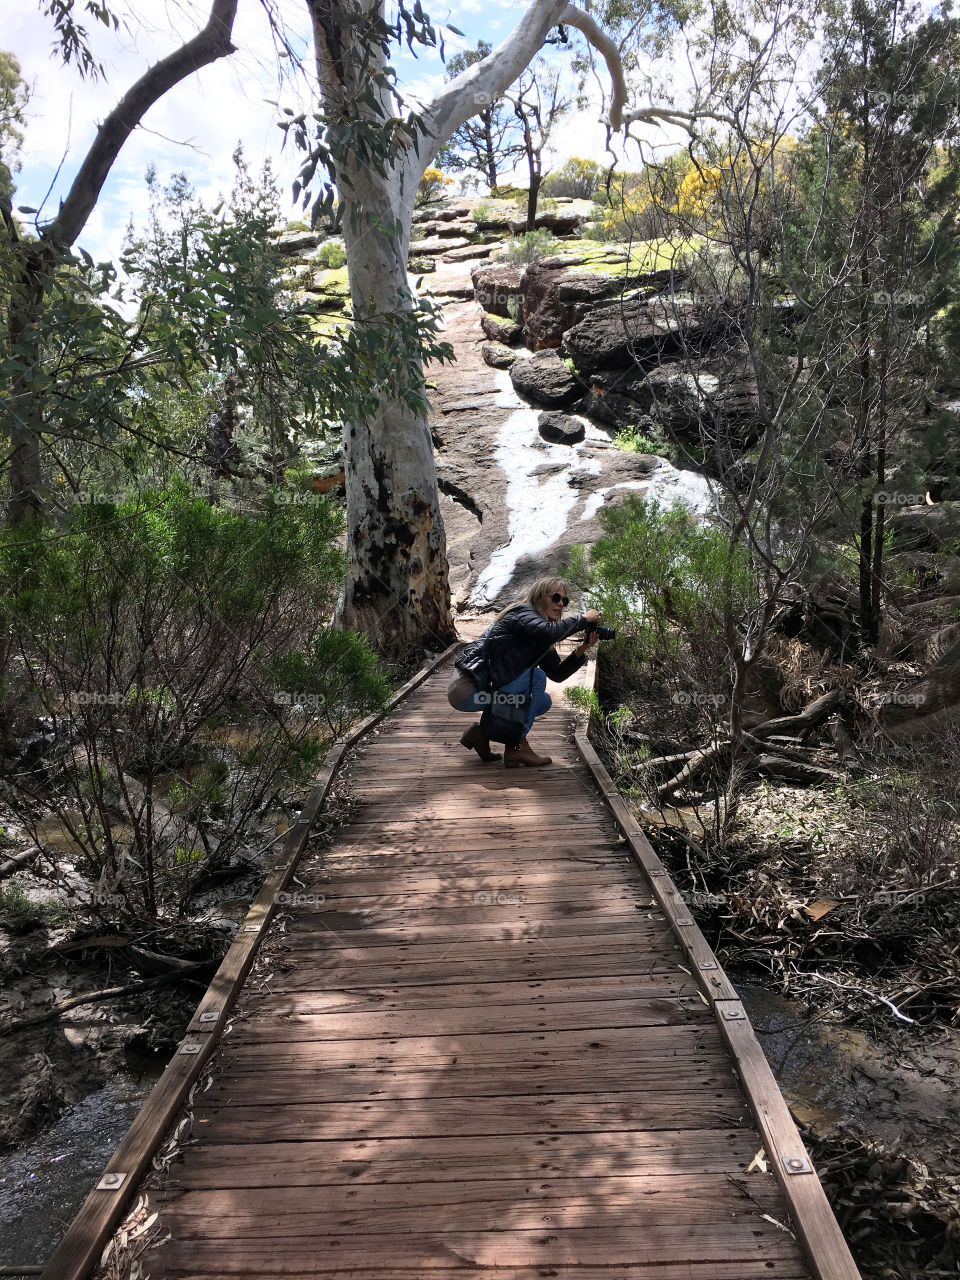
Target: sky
x=195 y=128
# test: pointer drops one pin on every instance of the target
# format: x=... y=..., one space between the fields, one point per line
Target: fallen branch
x=17 y=861
x=842 y=986
x=107 y=993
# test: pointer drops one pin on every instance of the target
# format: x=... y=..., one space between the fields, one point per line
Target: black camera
x=602 y=633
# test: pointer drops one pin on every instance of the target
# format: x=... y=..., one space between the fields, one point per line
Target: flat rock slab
x=436 y=244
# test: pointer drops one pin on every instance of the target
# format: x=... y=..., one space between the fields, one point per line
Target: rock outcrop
x=620 y=335
x=497 y=330
x=495 y=286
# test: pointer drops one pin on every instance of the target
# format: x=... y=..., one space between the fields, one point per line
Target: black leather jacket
x=522 y=638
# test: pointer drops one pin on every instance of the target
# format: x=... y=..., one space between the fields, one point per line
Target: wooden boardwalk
x=473 y=1045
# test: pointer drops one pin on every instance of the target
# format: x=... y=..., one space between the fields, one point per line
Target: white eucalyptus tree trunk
x=397 y=592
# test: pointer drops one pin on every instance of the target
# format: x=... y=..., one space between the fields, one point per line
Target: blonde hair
x=536 y=596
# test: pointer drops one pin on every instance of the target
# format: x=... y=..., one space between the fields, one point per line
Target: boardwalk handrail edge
x=80 y=1248
x=818 y=1231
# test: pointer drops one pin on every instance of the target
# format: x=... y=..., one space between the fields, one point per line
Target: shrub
x=331 y=255
x=529 y=247
x=577 y=179
x=163 y=636
x=633 y=441
x=431 y=185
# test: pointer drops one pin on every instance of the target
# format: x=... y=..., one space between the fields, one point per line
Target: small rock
x=546 y=380
x=560 y=428
x=505 y=331
x=497 y=356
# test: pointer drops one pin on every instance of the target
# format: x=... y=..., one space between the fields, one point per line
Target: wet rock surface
x=513 y=502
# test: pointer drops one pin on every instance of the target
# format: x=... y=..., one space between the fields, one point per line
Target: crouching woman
x=519 y=641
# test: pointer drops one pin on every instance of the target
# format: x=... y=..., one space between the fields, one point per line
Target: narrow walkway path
x=479 y=1051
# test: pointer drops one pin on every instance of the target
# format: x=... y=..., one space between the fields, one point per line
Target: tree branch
x=574 y=17
x=485 y=81
x=207 y=46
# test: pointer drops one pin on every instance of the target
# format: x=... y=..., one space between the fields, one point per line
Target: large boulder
x=498 y=330
x=495 y=286
x=452 y=214
x=619 y=335
x=547 y=298
x=560 y=428
x=443 y=229
x=546 y=380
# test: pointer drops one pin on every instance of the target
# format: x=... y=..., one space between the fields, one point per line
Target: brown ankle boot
x=474 y=740
x=523 y=753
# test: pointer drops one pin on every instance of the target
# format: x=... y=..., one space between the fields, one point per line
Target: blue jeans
x=540 y=702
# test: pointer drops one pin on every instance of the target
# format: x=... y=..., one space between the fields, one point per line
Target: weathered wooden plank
x=359 y=969
x=540 y=1015
x=246 y=1084
x=315 y=1164
x=492 y=1050
x=792 y=1268
x=417 y=1119
x=648 y=1195
x=330 y=999
x=546 y=1245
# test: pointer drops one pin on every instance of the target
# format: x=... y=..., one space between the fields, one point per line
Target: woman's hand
x=591 y=615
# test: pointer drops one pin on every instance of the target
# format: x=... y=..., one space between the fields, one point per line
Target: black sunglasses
x=557 y=598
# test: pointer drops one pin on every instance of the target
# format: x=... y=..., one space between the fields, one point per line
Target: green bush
x=529 y=247
x=633 y=441
x=674 y=589
x=331 y=255
x=160 y=634
x=577 y=179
